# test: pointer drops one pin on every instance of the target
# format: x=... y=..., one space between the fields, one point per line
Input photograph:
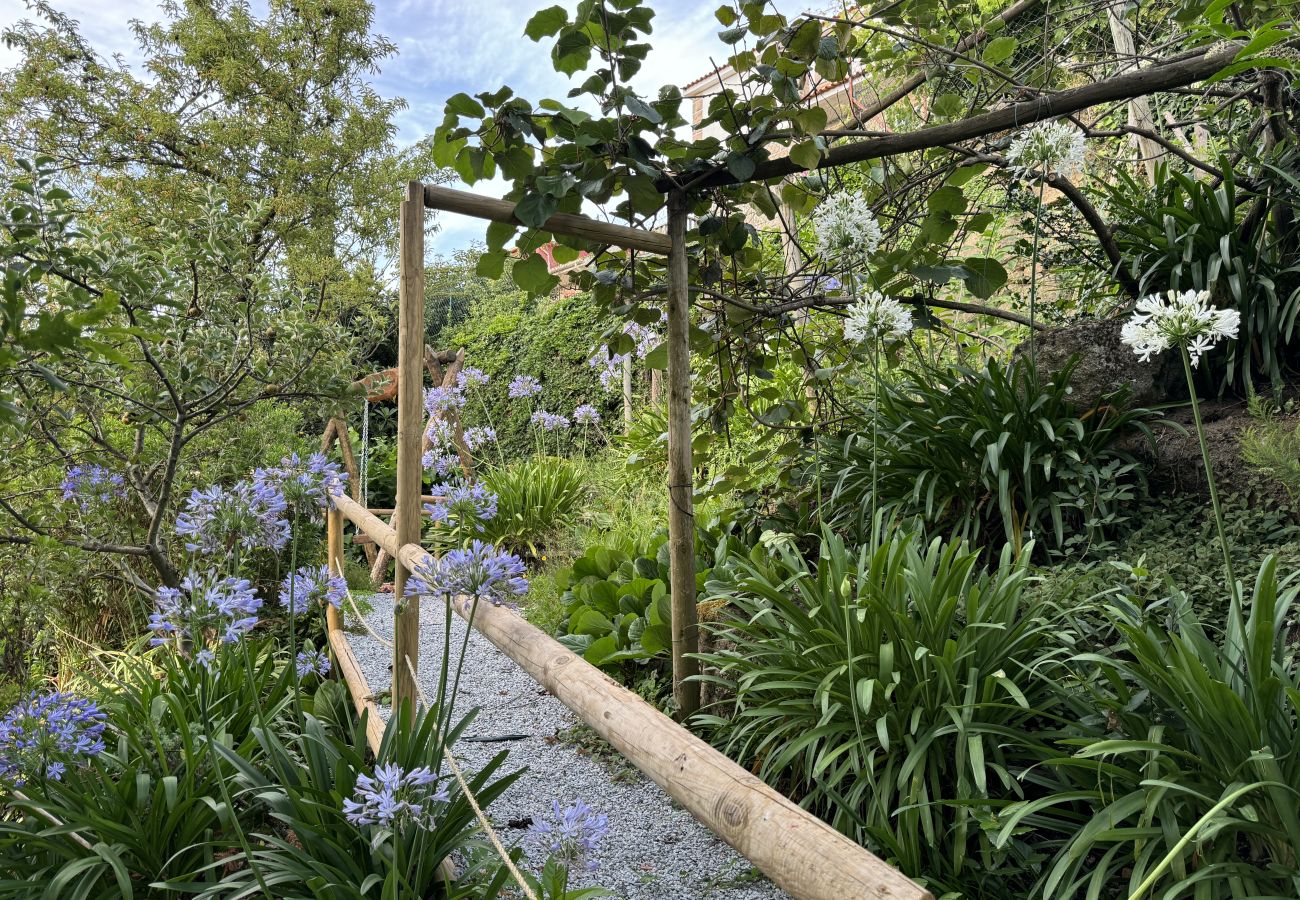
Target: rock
x=1105 y=364
x=1173 y=459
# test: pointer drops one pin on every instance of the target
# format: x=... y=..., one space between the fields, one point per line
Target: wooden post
x=681 y=489
x=410 y=428
x=627 y=393
x=333 y=560
x=1139 y=108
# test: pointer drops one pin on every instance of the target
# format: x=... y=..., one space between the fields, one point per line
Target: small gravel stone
x=654 y=850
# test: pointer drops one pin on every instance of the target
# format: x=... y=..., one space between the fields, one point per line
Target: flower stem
x=1214 y=491
x=1033 y=275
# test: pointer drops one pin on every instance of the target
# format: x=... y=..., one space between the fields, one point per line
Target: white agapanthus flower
x=1161 y=322
x=876 y=316
x=1046 y=148
x=846 y=229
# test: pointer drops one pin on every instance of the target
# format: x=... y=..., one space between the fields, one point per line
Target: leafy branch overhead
x=933 y=97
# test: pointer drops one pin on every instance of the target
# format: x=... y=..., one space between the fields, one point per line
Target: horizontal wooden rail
x=495 y=210
x=798 y=851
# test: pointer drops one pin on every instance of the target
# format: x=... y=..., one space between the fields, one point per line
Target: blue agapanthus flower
x=395 y=797
x=442 y=400
x=480 y=437
x=206 y=607
x=45 y=733
x=312 y=662
x=471 y=377
x=443 y=464
x=550 y=421
x=586 y=414
x=523 y=386
x=310 y=585
x=478 y=571
x=309 y=486
x=571 y=835
x=250 y=515
x=467 y=505
x=91 y=486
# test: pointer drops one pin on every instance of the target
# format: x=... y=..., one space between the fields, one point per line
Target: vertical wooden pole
x=333 y=560
x=681 y=490
x=627 y=393
x=410 y=428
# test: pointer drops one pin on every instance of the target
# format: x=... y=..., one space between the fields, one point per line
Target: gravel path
x=654 y=850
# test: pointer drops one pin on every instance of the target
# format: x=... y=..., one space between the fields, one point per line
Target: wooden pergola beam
x=1168 y=74
x=585 y=227
x=798 y=851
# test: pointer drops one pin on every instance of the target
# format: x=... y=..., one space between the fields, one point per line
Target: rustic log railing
x=798 y=851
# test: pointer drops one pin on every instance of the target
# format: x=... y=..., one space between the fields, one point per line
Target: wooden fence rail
x=798 y=851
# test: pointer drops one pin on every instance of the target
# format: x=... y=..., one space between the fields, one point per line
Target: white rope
x=363 y=470
x=347 y=592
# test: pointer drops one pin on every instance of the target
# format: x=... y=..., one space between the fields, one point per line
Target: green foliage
x=901 y=692
x=1273 y=447
x=153 y=809
x=991 y=455
x=617 y=606
x=536 y=498
x=152 y=800
x=46 y=308
x=1193 y=783
x=1190 y=234
x=1172 y=540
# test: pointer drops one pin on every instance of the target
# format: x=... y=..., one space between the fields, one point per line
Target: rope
x=347 y=592
x=469 y=795
x=363 y=470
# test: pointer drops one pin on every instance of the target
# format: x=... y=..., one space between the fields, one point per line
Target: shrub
x=900 y=693
x=989 y=455
x=536 y=498
x=616 y=605
x=1195 y=777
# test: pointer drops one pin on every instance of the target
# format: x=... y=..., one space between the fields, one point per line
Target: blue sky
x=446 y=46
